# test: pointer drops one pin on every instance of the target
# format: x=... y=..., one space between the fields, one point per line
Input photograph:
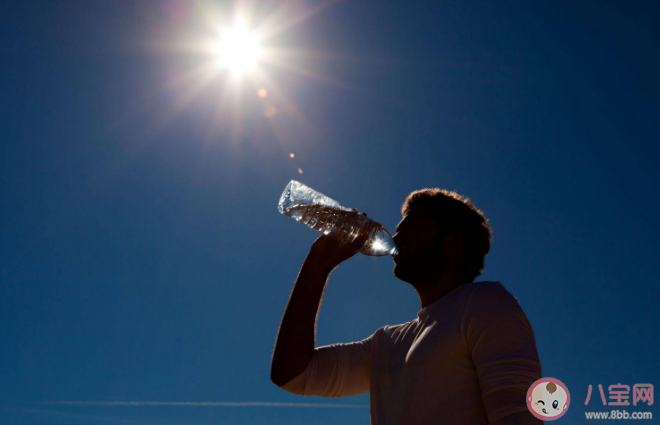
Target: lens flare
x=378 y=245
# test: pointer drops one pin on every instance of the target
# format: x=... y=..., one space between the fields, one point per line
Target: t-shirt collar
x=426 y=311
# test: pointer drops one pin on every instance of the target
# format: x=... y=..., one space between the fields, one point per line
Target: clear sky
x=142 y=256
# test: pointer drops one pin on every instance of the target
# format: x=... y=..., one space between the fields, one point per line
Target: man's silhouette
x=468 y=358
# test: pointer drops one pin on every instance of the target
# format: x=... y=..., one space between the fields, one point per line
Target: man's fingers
x=356 y=210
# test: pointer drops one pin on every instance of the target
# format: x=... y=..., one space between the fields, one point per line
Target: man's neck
x=428 y=294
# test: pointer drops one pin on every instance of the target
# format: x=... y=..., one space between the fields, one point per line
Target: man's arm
x=519 y=418
x=503 y=349
x=296 y=338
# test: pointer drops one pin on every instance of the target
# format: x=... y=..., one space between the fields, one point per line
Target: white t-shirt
x=446 y=366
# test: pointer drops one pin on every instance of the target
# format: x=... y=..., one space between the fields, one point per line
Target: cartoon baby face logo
x=548 y=399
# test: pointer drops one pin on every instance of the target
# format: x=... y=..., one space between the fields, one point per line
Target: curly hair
x=453 y=212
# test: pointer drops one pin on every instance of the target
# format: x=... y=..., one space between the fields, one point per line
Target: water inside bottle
x=344 y=225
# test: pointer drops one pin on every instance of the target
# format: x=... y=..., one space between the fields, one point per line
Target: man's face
x=419 y=248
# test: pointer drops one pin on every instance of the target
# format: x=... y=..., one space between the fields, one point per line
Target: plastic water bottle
x=321 y=213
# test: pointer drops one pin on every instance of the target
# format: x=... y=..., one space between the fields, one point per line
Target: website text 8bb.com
x=618 y=414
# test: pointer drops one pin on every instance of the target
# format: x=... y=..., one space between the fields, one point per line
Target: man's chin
x=409 y=273
x=401 y=273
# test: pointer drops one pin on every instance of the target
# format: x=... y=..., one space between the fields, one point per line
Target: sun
x=238 y=49
x=234 y=57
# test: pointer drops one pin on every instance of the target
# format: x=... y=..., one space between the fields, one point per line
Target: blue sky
x=143 y=257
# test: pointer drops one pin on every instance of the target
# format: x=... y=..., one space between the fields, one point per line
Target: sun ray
x=299 y=70
x=274 y=26
x=197 y=80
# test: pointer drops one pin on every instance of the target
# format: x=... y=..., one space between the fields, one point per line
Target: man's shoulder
x=492 y=299
x=490 y=291
x=392 y=331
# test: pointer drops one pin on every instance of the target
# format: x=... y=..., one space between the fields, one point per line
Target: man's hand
x=328 y=253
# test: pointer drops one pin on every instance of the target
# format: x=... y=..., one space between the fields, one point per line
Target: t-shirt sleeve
x=335 y=370
x=503 y=348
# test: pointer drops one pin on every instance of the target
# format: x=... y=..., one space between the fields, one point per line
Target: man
x=468 y=358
